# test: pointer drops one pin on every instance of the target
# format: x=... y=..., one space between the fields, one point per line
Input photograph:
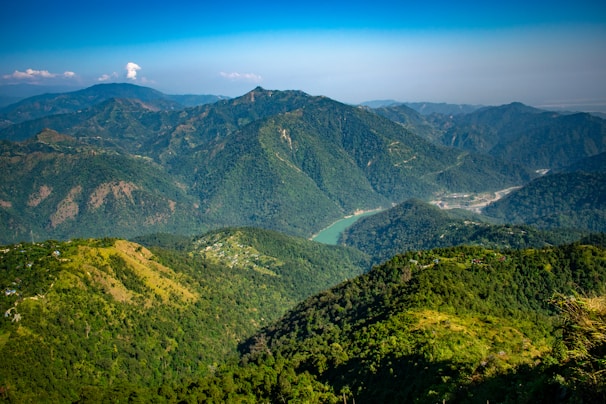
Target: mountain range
x=274 y=159
x=65 y=102
x=481 y=279
x=517 y=133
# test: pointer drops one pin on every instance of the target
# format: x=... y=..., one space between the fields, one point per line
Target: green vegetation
x=109 y=320
x=460 y=324
x=61 y=188
x=461 y=307
x=92 y=318
x=527 y=136
x=416 y=225
x=566 y=200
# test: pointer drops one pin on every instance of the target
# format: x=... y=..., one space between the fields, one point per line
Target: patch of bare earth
x=37 y=197
x=119 y=190
x=114 y=287
x=67 y=208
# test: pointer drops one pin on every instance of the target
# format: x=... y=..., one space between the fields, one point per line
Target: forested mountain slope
x=462 y=324
x=575 y=200
x=88 y=317
x=54 y=186
x=281 y=160
x=411 y=119
x=525 y=135
x=416 y=225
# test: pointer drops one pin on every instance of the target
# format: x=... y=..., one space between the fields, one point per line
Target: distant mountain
x=410 y=119
x=428 y=108
x=61 y=103
x=113 y=315
x=278 y=159
x=416 y=225
x=525 y=135
x=425 y=108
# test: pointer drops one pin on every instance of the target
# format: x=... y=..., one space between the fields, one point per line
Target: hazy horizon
x=539 y=53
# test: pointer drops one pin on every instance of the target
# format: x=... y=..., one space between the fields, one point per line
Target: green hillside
x=574 y=200
x=88 y=317
x=57 y=187
x=416 y=225
x=130 y=125
x=462 y=324
x=306 y=152
x=411 y=119
x=219 y=297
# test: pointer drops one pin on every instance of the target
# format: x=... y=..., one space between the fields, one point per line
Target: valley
x=330 y=235
x=472 y=202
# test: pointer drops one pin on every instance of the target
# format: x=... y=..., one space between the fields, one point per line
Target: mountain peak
x=520 y=107
x=259 y=93
x=256 y=92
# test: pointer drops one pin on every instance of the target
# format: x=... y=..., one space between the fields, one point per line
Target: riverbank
x=471 y=202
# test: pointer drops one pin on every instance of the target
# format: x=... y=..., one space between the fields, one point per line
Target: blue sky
x=537 y=52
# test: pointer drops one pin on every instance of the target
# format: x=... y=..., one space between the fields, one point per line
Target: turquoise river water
x=331 y=234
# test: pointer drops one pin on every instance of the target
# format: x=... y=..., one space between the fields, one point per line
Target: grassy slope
x=108 y=313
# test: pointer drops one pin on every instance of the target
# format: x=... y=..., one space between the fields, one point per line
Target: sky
x=542 y=53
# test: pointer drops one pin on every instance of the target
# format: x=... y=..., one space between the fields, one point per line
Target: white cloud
x=106 y=77
x=131 y=70
x=234 y=76
x=33 y=74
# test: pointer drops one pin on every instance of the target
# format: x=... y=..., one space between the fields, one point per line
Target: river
x=331 y=234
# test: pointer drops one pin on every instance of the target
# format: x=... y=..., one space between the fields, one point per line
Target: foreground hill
x=88 y=317
x=416 y=225
x=449 y=325
x=282 y=160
